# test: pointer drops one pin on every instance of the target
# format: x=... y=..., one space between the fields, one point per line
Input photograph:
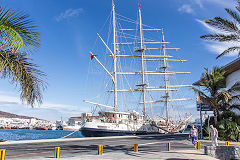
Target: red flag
x=92 y=56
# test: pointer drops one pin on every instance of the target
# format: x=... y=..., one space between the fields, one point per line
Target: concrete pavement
x=150 y=147
x=178 y=155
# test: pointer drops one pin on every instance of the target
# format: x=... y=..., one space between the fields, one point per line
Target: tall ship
x=140 y=68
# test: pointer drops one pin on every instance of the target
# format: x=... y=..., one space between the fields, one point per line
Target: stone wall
x=223 y=152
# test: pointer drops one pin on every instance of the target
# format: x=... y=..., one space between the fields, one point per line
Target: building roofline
x=229 y=68
x=232 y=66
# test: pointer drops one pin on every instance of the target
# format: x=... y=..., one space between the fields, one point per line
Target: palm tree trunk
x=215 y=112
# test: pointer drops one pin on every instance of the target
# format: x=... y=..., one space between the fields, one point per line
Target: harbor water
x=32 y=134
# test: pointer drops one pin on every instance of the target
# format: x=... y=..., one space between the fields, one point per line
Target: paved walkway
x=116 y=148
x=220 y=142
x=172 y=155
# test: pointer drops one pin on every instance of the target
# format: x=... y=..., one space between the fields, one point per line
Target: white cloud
x=208 y=27
x=224 y=3
x=48 y=111
x=186 y=9
x=217 y=47
x=199 y=3
x=69 y=13
x=12 y=99
x=190 y=6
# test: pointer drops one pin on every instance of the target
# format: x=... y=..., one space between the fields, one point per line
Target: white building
x=72 y=121
x=232 y=70
x=233 y=73
x=77 y=121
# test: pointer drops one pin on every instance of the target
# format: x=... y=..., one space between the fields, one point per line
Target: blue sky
x=68 y=31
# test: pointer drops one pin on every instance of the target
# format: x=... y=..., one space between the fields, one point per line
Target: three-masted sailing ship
x=114 y=122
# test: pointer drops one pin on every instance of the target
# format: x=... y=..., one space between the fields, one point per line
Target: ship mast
x=142 y=62
x=143 y=86
x=165 y=68
x=114 y=58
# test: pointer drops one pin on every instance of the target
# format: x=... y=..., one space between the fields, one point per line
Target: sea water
x=32 y=134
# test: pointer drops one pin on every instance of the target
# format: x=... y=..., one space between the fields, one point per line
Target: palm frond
x=18 y=68
x=213 y=80
x=18 y=31
x=205 y=78
x=238 y=8
x=234 y=106
x=236 y=97
x=221 y=37
x=229 y=50
x=235 y=87
x=233 y=14
x=224 y=96
x=201 y=93
x=223 y=24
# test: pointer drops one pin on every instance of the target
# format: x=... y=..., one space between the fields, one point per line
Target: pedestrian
x=193 y=134
x=214 y=135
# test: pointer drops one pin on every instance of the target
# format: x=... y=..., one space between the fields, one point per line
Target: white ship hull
x=116 y=124
x=95 y=129
x=91 y=129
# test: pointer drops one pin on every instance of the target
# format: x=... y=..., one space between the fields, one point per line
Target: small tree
x=213 y=84
x=229 y=126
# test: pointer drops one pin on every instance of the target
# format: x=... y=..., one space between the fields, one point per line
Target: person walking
x=193 y=134
x=214 y=135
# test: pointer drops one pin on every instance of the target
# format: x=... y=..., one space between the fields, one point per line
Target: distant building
x=75 y=121
x=72 y=121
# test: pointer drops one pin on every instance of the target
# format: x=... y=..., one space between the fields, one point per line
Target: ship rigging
x=133 y=122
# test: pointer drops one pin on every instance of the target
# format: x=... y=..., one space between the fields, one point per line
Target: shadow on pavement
x=177 y=159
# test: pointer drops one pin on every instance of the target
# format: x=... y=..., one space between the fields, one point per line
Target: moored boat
x=110 y=123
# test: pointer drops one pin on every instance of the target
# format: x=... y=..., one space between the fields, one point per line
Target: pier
x=119 y=147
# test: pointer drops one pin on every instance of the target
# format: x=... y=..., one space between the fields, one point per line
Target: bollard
x=227 y=143
x=198 y=145
x=135 y=147
x=57 y=152
x=100 y=149
x=2 y=154
x=168 y=146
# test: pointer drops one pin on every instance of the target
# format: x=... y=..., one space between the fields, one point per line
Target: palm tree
x=213 y=92
x=18 y=39
x=229 y=30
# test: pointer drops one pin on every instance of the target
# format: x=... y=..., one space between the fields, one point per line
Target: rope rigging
x=133 y=64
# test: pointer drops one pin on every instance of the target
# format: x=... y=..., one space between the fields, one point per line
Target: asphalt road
x=71 y=149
